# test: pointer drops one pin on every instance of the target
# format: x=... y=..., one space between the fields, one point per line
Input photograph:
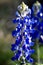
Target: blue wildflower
x=27 y=31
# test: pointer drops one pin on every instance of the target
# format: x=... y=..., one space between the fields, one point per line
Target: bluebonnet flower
x=28 y=29
x=36 y=7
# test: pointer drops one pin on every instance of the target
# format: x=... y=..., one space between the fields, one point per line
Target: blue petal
x=18 y=29
x=35 y=22
x=19 y=37
x=27 y=58
x=14 y=33
x=28 y=47
x=30 y=60
x=19 y=51
x=34 y=34
x=25 y=33
x=40 y=27
x=27 y=41
x=18 y=54
x=31 y=44
x=14 y=47
x=17 y=42
x=26 y=19
x=13 y=58
x=16 y=20
x=24 y=48
x=32 y=51
x=17 y=14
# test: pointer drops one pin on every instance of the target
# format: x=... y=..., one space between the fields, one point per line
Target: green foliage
x=5 y=52
x=41 y=52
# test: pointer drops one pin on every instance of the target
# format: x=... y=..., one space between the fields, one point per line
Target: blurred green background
x=7 y=13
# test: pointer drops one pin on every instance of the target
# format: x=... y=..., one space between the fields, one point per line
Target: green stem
x=38 y=53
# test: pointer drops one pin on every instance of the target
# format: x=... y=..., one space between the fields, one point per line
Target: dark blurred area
x=7 y=13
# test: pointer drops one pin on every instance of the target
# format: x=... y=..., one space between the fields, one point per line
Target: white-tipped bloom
x=24 y=10
x=36 y=7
